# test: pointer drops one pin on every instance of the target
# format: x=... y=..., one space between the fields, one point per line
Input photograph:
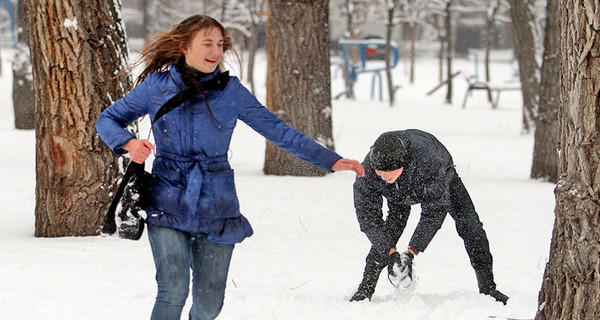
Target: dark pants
x=468 y=226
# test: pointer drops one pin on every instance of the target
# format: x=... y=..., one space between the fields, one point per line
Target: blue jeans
x=175 y=252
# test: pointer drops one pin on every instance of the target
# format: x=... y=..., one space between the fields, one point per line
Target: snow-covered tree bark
x=545 y=153
x=299 y=81
x=78 y=49
x=571 y=284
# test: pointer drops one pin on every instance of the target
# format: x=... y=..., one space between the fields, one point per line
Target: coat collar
x=212 y=81
x=177 y=77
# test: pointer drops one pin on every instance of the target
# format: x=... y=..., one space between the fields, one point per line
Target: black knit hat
x=389 y=152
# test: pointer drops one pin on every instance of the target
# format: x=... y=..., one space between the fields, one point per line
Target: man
x=409 y=167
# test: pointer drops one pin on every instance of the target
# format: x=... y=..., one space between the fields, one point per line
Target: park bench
x=493 y=91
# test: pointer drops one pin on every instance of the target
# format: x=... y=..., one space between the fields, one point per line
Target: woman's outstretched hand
x=139 y=150
x=349 y=164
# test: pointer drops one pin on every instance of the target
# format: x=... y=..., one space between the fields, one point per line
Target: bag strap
x=109 y=225
x=218 y=82
x=175 y=102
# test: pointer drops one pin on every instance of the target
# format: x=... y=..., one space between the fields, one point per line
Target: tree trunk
x=571 y=285
x=441 y=54
x=487 y=44
x=525 y=51
x=223 y=10
x=449 y=51
x=299 y=81
x=438 y=23
x=78 y=49
x=148 y=8
x=545 y=153
x=388 y=55
x=413 y=27
x=22 y=93
x=252 y=47
x=490 y=22
x=352 y=32
x=161 y=15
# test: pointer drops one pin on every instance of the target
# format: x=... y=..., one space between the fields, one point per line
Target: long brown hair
x=166 y=46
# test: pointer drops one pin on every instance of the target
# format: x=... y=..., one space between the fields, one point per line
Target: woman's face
x=205 y=50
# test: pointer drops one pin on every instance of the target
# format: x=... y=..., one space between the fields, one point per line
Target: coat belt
x=195 y=175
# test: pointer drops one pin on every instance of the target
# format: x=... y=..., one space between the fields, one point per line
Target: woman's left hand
x=349 y=164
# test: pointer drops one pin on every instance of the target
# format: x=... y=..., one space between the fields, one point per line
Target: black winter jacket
x=425 y=180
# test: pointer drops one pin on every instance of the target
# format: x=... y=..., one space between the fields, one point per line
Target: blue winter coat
x=193 y=186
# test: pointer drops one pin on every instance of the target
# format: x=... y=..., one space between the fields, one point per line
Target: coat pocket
x=224 y=197
x=166 y=194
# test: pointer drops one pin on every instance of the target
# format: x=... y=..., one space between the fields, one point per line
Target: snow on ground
x=307 y=254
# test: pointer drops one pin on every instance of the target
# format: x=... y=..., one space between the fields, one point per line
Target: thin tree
x=160 y=15
x=571 y=283
x=412 y=13
x=22 y=93
x=389 y=30
x=494 y=11
x=437 y=22
x=299 y=81
x=449 y=49
x=255 y=14
x=77 y=49
x=445 y=9
x=356 y=12
x=148 y=8
x=545 y=153
x=356 y=16
x=243 y=18
x=525 y=49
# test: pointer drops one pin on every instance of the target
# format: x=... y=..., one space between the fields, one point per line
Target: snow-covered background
x=306 y=257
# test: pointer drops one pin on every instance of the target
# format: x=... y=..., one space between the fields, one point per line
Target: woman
x=193 y=217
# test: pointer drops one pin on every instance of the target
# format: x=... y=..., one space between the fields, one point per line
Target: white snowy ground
x=307 y=254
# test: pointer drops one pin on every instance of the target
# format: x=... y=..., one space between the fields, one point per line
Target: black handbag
x=132 y=194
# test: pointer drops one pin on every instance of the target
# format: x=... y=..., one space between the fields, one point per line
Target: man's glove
x=400 y=268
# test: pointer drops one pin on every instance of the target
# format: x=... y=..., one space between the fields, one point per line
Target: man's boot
x=487 y=286
x=365 y=291
x=370 y=277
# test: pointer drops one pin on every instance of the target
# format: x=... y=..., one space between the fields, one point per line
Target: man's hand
x=349 y=164
x=400 y=268
x=139 y=150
